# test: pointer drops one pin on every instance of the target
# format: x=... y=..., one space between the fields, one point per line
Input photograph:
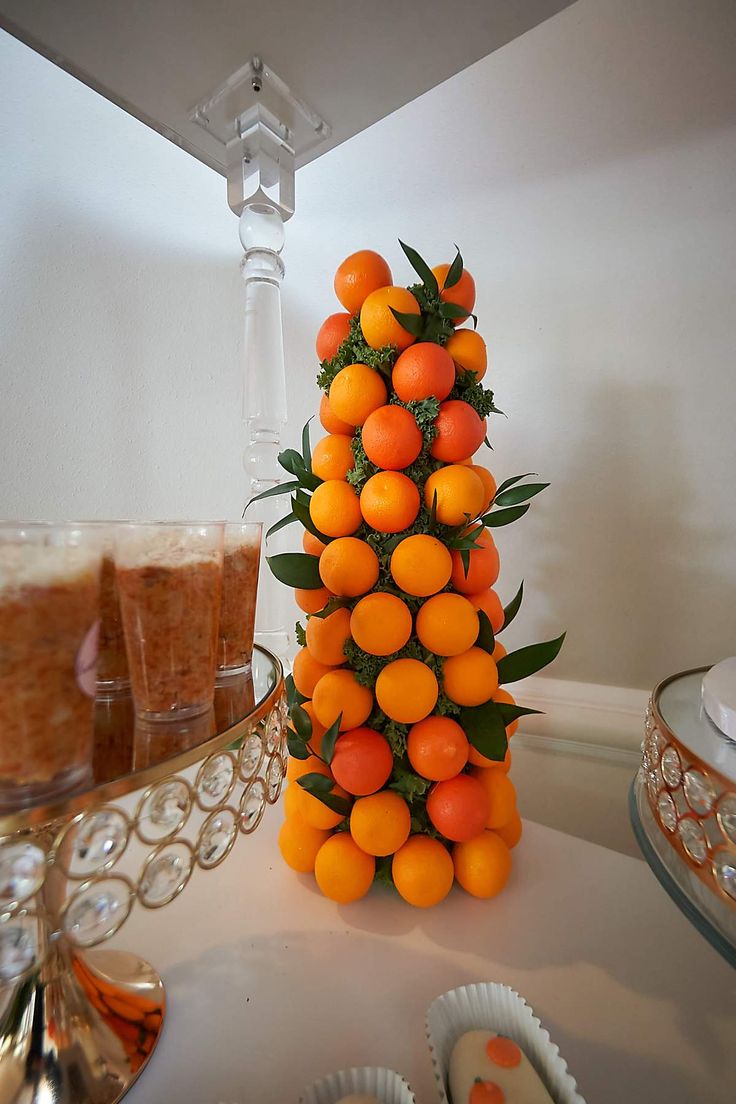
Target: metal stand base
x=80 y=1029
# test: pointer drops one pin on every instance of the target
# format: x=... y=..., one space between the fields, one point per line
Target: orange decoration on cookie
x=486 y=1092
x=503 y=1052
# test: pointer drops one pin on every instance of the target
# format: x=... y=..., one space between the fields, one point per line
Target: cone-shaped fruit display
x=400 y=716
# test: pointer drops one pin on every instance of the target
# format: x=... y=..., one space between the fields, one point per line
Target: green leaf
x=302 y=514
x=300 y=634
x=465 y=557
x=297 y=748
x=333 y=801
x=412 y=323
x=277 y=525
x=455 y=271
x=296 y=569
x=279 y=489
x=291 y=461
x=433 y=515
x=511 y=713
x=328 y=740
x=315 y=783
x=308 y=480
x=306 y=446
x=332 y=605
x=302 y=723
x=453 y=310
x=485 y=639
x=485 y=729
x=510 y=482
x=487 y=443
x=293 y=697
x=514 y=495
x=510 y=611
x=527 y=661
x=504 y=517
x=422 y=269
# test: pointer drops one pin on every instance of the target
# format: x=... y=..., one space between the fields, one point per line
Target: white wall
x=587 y=172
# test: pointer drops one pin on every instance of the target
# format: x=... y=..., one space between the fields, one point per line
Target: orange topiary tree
x=400 y=720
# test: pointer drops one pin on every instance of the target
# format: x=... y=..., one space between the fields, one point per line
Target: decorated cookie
x=486 y=1068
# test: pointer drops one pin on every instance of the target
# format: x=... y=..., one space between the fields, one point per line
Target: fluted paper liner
x=386 y=1085
x=498 y=1008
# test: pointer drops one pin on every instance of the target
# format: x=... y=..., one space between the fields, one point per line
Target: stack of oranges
x=392 y=657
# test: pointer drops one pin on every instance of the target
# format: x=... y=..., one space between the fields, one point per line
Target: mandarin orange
x=421 y=565
x=379 y=325
x=339 y=692
x=349 y=567
x=483 y=567
x=458 y=807
x=459 y=494
x=422 y=871
x=391 y=438
x=312 y=601
x=307 y=672
x=483 y=864
x=470 y=678
x=355 y=392
x=380 y=824
x=447 y=624
x=312 y=545
x=389 y=502
x=335 y=508
x=460 y=431
x=489 y=485
x=407 y=690
x=343 y=872
x=331 y=335
x=490 y=603
x=437 y=748
x=327 y=637
x=362 y=761
x=359 y=275
x=462 y=293
x=380 y=624
x=333 y=457
x=423 y=371
x=468 y=351
x=329 y=420
x=299 y=843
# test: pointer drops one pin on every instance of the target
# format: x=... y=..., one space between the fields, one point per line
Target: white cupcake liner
x=387 y=1086
x=498 y=1008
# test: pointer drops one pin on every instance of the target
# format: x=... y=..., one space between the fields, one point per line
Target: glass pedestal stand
x=78 y=1024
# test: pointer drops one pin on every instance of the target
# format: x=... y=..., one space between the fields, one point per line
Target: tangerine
x=329 y=420
x=333 y=457
x=339 y=692
x=460 y=432
x=312 y=545
x=502 y=695
x=421 y=565
x=447 y=624
x=379 y=325
x=313 y=600
x=362 y=761
x=389 y=502
x=318 y=730
x=437 y=748
x=483 y=566
x=458 y=807
x=422 y=871
x=359 y=275
x=462 y=293
x=511 y=832
x=335 y=509
x=490 y=603
x=468 y=351
x=500 y=793
x=499 y=651
x=483 y=864
x=380 y=624
x=470 y=678
x=459 y=494
x=296 y=768
x=314 y=812
x=423 y=371
x=349 y=567
x=478 y=760
x=406 y=690
x=489 y=485
x=307 y=672
x=355 y=392
x=327 y=637
x=299 y=843
x=343 y=872
x=291 y=800
x=391 y=438
x=380 y=824
x=331 y=335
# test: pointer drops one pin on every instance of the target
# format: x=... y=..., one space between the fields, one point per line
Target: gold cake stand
x=78 y=1024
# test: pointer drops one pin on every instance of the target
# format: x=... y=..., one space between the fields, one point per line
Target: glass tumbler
x=239 y=593
x=169 y=578
x=49 y=623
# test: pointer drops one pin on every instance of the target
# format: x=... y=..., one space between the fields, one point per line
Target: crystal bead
x=671 y=767
x=251 y=755
x=693 y=839
x=215 y=780
x=667 y=811
x=274 y=777
x=252 y=805
x=724 y=872
x=699 y=791
x=273 y=731
x=99 y=840
x=654 y=784
x=216 y=838
x=164 y=811
x=165 y=875
x=727 y=816
x=17 y=948
x=22 y=870
x=97 y=911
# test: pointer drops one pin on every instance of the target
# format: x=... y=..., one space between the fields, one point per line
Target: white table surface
x=270 y=985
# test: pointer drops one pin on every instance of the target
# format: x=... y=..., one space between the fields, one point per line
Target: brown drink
x=239 y=592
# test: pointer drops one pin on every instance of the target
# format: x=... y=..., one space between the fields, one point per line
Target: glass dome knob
x=261 y=227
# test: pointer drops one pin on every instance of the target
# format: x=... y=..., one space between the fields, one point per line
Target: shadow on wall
x=120 y=376
x=626 y=516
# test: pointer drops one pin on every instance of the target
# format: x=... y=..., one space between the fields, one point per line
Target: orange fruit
x=355 y=392
x=314 y=812
x=459 y=492
x=379 y=325
x=327 y=636
x=483 y=567
x=483 y=864
x=329 y=420
x=380 y=624
x=295 y=768
x=462 y=293
x=511 y=831
x=470 y=678
x=389 y=502
x=312 y=545
x=490 y=603
x=406 y=690
x=499 y=651
x=500 y=793
x=333 y=457
x=338 y=692
x=489 y=485
x=447 y=624
x=299 y=844
x=359 y=275
x=391 y=438
x=343 y=872
x=291 y=800
x=318 y=730
x=437 y=748
x=421 y=565
x=380 y=824
x=460 y=432
x=362 y=761
x=335 y=509
x=458 y=807
x=478 y=760
x=349 y=567
x=468 y=350
x=331 y=335
x=423 y=371
x=312 y=601
x=307 y=672
x=422 y=871
x=502 y=695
